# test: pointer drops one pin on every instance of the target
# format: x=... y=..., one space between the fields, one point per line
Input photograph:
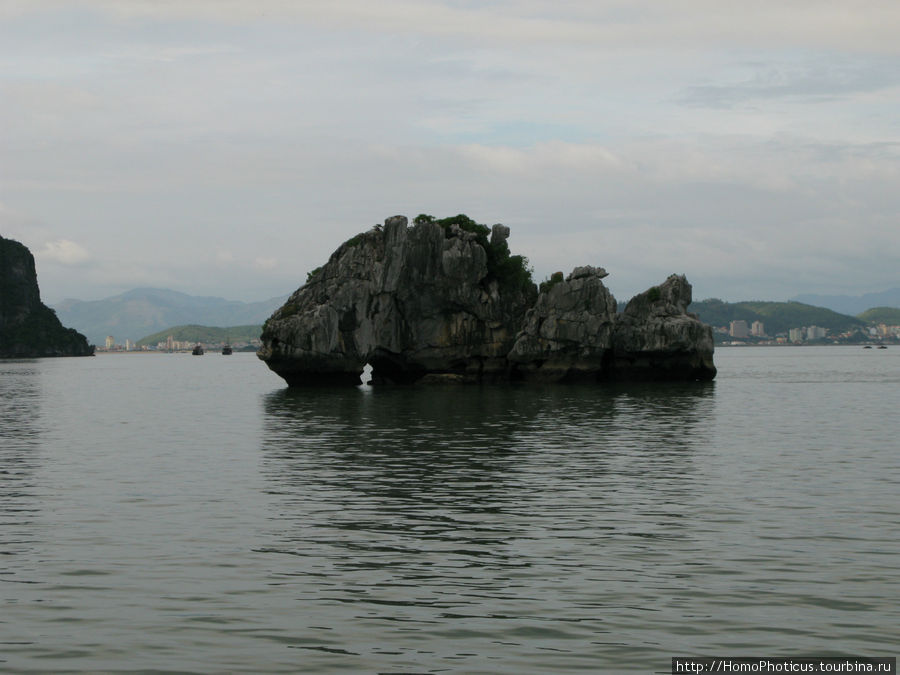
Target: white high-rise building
x=816 y=332
x=757 y=329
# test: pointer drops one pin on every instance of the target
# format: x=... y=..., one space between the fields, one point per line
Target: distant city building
x=757 y=329
x=128 y=345
x=110 y=342
x=816 y=332
x=739 y=329
x=170 y=343
x=795 y=335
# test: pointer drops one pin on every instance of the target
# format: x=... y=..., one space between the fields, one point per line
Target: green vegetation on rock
x=512 y=272
x=547 y=284
x=355 y=240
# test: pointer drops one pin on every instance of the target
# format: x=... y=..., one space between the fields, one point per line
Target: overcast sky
x=227 y=147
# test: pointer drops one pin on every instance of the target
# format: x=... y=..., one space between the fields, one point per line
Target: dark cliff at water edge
x=28 y=328
x=444 y=300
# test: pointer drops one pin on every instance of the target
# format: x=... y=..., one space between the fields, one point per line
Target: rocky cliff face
x=28 y=328
x=438 y=301
x=567 y=335
x=656 y=338
x=411 y=301
x=574 y=334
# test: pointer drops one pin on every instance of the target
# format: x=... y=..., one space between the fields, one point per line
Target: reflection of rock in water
x=366 y=475
x=424 y=436
x=473 y=466
x=655 y=418
x=443 y=516
x=20 y=439
x=19 y=403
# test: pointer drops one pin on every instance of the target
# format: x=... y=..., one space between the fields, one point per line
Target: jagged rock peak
x=656 y=338
x=499 y=234
x=587 y=271
x=672 y=297
x=568 y=332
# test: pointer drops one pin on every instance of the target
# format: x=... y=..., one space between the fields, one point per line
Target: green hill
x=885 y=315
x=778 y=317
x=204 y=334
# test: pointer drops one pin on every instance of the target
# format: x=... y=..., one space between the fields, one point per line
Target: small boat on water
x=227 y=350
x=868 y=347
x=198 y=350
x=882 y=346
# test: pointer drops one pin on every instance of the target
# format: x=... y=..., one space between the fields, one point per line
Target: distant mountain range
x=142 y=311
x=205 y=334
x=853 y=304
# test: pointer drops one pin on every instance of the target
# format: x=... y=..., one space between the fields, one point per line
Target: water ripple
x=192 y=515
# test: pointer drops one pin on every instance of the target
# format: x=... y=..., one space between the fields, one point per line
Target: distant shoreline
x=116 y=352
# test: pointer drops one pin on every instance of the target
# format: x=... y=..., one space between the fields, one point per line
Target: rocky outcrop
x=656 y=338
x=573 y=333
x=567 y=335
x=28 y=328
x=439 y=301
x=411 y=301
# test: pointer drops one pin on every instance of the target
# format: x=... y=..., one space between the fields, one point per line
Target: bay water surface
x=164 y=512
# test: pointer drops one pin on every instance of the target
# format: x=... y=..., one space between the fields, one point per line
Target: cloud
x=609 y=24
x=550 y=156
x=64 y=252
x=21 y=227
x=627 y=133
x=8 y=217
x=802 y=82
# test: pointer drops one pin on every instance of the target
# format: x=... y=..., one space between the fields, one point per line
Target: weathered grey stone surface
x=420 y=304
x=567 y=335
x=410 y=301
x=656 y=338
x=587 y=271
x=28 y=328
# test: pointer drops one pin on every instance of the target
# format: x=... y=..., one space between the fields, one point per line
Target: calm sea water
x=173 y=513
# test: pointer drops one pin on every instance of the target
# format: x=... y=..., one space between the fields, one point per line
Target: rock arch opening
x=365 y=377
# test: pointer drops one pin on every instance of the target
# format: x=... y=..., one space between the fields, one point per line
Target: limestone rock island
x=443 y=300
x=28 y=328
